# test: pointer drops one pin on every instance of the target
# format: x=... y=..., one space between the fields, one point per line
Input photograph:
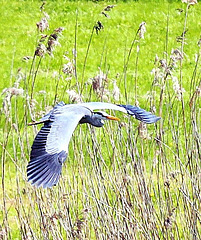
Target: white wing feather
x=102 y=105
x=65 y=121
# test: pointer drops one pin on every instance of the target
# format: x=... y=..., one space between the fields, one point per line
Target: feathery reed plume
x=99 y=81
x=100 y=84
x=53 y=40
x=9 y=93
x=40 y=50
x=142 y=131
x=74 y=97
x=13 y=91
x=98 y=27
x=43 y=24
x=190 y=2
x=176 y=55
x=107 y=9
x=182 y=37
x=197 y=93
x=42 y=6
x=69 y=67
x=46 y=44
x=142 y=30
x=177 y=88
x=116 y=91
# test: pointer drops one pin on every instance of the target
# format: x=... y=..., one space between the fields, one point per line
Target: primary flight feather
x=50 y=146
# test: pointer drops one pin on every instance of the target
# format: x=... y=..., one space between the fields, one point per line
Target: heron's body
x=50 y=147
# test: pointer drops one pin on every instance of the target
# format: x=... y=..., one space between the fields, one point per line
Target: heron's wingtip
x=45 y=170
x=141 y=114
x=152 y=119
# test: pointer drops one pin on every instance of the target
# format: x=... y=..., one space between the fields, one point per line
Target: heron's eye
x=99 y=113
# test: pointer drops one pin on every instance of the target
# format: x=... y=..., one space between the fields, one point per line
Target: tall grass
x=126 y=181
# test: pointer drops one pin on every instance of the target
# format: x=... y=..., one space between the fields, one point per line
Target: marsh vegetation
x=123 y=181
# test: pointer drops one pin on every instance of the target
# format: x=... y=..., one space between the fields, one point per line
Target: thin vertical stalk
x=85 y=60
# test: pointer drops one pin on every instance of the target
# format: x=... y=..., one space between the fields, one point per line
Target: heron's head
x=98 y=118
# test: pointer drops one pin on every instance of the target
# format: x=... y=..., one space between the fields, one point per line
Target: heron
x=50 y=146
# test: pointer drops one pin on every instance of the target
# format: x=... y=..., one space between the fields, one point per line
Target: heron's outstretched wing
x=50 y=147
x=137 y=112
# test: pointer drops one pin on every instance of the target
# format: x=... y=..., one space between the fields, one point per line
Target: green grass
x=118 y=182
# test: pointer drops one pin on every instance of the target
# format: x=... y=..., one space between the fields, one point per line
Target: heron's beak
x=112 y=118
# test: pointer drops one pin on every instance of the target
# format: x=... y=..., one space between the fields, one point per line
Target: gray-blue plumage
x=50 y=147
x=140 y=114
x=44 y=168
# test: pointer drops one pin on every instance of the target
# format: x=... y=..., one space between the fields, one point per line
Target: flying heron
x=50 y=147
